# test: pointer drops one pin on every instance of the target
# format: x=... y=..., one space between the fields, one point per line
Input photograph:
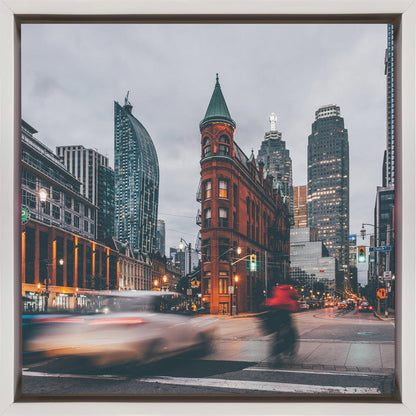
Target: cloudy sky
x=72 y=74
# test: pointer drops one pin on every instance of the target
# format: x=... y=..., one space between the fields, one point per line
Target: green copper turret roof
x=217 y=110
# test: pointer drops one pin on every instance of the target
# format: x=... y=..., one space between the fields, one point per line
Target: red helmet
x=284 y=297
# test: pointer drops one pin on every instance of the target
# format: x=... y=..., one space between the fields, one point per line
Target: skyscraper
x=300 y=212
x=328 y=182
x=136 y=181
x=97 y=183
x=160 y=236
x=389 y=72
x=277 y=161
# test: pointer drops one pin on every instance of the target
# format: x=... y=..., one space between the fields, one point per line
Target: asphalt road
x=340 y=353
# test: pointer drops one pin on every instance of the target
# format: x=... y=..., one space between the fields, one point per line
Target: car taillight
x=360 y=307
x=57 y=320
x=370 y=307
x=117 y=321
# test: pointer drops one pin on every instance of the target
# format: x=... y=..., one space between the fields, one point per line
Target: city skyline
x=170 y=100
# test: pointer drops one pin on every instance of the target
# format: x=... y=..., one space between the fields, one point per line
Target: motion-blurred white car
x=120 y=327
x=303 y=306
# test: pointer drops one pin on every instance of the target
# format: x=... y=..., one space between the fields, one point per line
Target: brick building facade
x=240 y=207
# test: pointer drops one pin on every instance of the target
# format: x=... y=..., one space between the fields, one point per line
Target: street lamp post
x=236 y=294
x=46 y=281
x=182 y=245
x=238 y=251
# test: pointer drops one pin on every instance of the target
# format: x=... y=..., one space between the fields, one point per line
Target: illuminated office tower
x=328 y=182
x=300 y=213
x=277 y=161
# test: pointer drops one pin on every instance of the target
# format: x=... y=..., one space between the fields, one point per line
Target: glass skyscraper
x=389 y=72
x=328 y=182
x=136 y=170
x=277 y=161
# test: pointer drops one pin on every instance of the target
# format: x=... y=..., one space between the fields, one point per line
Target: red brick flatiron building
x=240 y=209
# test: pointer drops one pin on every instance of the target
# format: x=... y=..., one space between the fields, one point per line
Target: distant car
x=329 y=304
x=365 y=306
x=342 y=305
x=351 y=304
x=303 y=306
x=120 y=327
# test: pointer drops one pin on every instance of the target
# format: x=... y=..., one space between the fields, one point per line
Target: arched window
x=206 y=141
x=223 y=150
x=207 y=150
x=224 y=139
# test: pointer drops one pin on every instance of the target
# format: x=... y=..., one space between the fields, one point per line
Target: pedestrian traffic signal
x=361 y=254
x=253 y=263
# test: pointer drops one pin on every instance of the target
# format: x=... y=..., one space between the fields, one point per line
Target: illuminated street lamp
x=43 y=193
x=236 y=294
x=165 y=280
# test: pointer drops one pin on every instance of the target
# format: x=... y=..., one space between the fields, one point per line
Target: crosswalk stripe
x=319 y=372
x=59 y=375
x=260 y=385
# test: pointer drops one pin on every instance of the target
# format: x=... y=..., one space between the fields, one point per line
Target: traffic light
x=361 y=254
x=253 y=263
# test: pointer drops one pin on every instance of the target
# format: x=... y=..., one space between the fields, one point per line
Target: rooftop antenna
x=127 y=104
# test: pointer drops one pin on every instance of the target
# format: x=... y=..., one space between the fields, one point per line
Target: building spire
x=217 y=111
x=273 y=121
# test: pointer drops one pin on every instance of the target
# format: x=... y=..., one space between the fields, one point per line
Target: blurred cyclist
x=277 y=320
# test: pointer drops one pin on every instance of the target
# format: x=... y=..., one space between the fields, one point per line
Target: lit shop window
x=223 y=189
x=208 y=186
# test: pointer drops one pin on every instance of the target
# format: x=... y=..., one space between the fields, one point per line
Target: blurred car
x=329 y=303
x=342 y=305
x=351 y=304
x=120 y=327
x=365 y=306
x=303 y=306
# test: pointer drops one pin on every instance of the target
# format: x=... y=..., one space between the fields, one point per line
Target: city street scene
x=208 y=210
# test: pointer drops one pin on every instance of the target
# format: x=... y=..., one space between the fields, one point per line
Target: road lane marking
x=260 y=385
x=328 y=372
x=58 y=375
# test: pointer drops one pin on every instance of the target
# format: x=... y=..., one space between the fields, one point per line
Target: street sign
x=381 y=293
x=231 y=290
x=382 y=248
x=387 y=275
x=25 y=215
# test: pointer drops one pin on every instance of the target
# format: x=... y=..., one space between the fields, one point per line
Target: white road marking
x=93 y=377
x=328 y=372
x=260 y=385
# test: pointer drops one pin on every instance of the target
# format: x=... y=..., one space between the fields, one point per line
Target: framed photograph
x=286 y=285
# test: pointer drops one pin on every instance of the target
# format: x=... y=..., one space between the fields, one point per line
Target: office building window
x=56 y=213
x=68 y=218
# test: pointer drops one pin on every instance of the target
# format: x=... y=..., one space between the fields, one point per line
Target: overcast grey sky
x=71 y=74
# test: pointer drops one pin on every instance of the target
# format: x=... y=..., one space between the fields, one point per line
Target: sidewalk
x=383 y=317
